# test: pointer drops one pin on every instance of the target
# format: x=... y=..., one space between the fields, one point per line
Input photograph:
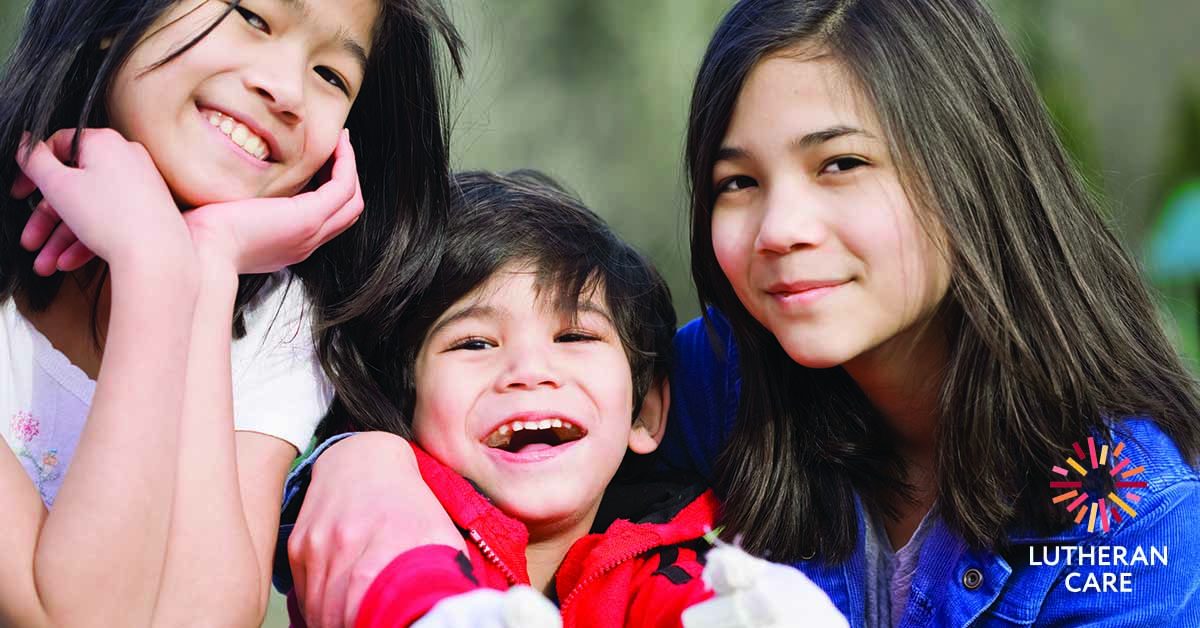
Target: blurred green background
x=596 y=94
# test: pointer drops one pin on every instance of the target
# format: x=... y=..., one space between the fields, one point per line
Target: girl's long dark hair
x=1053 y=333
x=59 y=74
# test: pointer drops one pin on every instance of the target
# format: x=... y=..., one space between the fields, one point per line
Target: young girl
x=928 y=373
x=128 y=498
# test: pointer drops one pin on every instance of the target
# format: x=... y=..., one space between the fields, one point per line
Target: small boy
x=538 y=374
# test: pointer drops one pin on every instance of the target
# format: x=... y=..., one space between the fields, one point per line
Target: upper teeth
x=240 y=134
x=503 y=434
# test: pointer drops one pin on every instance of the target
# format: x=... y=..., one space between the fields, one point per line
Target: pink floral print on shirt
x=42 y=465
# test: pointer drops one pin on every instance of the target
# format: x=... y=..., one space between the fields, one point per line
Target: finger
x=337 y=191
x=46 y=263
x=40 y=225
x=299 y=561
x=75 y=257
x=22 y=187
x=42 y=166
x=342 y=220
x=337 y=580
x=314 y=596
x=358 y=581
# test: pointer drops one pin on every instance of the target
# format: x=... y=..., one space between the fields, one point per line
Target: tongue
x=532 y=447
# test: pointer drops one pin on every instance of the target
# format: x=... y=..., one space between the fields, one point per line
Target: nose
x=528 y=366
x=791 y=220
x=278 y=79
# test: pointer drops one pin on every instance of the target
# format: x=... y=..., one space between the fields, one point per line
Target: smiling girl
x=917 y=308
x=196 y=148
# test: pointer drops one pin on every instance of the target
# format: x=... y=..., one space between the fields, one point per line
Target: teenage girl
x=183 y=144
x=914 y=310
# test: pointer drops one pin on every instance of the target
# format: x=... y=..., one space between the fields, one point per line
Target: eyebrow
x=487 y=311
x=808 y=140
x=590 y=306
x=343 y=36
x=471 y=311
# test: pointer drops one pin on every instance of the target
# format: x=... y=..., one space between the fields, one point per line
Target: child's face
x=811 y=224
x=533 y=407
x=254 y=108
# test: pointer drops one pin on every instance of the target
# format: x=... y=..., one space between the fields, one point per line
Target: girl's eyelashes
x=577 y=335
x=333 y=78
x=735 y=184
x=473 y=343
x=253 y=19
x=844 y=163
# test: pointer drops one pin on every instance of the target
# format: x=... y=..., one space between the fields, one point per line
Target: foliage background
x=596 y=94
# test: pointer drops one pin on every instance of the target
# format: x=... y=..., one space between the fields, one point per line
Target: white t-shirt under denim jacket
x=279 y=388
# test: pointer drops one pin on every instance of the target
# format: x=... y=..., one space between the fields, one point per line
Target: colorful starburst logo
x=1105 y=508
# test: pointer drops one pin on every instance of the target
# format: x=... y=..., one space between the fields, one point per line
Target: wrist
x=374 y=444
x=162 y=273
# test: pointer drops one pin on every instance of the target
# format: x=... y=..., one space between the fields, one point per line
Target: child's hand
x=114 y=202
x=366 y=505
x=518 y=607
x=753 y=593
x=263 y=235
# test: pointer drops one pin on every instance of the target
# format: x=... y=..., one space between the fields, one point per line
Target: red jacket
x=633 y=574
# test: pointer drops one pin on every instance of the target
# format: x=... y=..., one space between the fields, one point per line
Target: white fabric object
x=279 y=387
x=751 y=592
x=518 y=607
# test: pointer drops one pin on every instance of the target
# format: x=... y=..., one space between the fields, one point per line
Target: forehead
x=343 y=20
x=520 y=289
x=797 y=91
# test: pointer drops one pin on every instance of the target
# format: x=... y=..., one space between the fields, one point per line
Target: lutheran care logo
x=1106 y=506
x=1094 y=568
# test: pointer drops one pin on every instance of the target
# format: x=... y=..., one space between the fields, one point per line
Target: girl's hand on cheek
x=263 y=235
x=114 y=202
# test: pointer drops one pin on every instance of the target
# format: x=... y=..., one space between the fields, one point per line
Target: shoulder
x=281 y=313
x=704 y=394
x=1141 y=568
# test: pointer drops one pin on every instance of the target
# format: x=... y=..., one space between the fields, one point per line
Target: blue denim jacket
x=956 y=585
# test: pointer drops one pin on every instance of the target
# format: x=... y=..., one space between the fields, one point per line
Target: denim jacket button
x=972 y=579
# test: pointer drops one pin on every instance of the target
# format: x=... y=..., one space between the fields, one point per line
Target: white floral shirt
x=279 y=387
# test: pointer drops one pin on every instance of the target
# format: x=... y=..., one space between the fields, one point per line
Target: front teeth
x=565 y=430
x=240 y=134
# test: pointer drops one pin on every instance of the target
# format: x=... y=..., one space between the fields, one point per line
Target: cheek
x=731 y=247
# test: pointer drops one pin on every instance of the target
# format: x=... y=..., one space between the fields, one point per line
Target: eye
x=576 y=335
x=842 y=164
x=472 y=344
x=253 y=19
x=331 y=77
x=735 y=184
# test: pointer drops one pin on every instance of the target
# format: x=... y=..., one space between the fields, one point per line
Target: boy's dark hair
x=497 y=220
x=1052 y=332
x=362 y=281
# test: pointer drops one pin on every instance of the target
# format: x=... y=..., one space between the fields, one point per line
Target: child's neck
x=548 y=546
x=903 y=379
x=67 y=321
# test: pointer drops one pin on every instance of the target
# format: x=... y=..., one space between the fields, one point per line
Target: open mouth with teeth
x=517 y=436
x=239 y=133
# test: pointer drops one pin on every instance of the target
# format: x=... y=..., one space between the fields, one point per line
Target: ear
x=651 y=422
x=106 y=43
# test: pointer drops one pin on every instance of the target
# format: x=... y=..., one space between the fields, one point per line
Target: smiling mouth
x=514 y=436
x=239 y=134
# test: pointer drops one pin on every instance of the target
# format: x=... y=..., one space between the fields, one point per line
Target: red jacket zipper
x=595 y=575
x=488 y=553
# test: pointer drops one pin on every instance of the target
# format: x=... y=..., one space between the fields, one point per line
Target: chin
x=812 y=355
